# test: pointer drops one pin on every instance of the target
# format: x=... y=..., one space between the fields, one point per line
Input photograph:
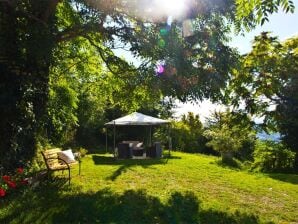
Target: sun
x=174 y=8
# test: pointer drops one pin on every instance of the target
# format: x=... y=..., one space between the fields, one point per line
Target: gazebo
x=134 y=119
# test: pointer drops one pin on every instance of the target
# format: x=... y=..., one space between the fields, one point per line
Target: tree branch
x=104 y=58
x=76 y=31
x=101 y=53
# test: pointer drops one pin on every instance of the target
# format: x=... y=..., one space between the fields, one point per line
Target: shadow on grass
x=128 y=163
x=52 y=204
x=117 y=173
x=229 y=163
x=289 y=178
x=103 y=160
x=107 y=160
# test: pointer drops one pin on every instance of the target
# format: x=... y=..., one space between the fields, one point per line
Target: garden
x=70 y=67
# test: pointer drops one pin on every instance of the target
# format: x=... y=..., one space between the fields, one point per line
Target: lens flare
x=161 y=43
x=170 y=20
x=159 y=69
x=187 y=28
x=173 y=8
x=163 y=31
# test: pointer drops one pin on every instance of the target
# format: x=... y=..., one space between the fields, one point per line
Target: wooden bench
x=54 y=163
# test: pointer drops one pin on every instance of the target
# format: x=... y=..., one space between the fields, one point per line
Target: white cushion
x=139 y=144
x=67 y=156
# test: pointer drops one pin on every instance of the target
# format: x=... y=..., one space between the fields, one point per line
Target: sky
x=281 y=24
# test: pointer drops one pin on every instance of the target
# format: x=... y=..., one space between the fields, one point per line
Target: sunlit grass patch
x=185 y=188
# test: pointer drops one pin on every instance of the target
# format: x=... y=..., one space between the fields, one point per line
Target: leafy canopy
x=195 y=66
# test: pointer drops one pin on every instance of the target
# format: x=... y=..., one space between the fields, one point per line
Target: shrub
x=270 y=156
x=182 y=137
x=83 y=151
x=9 y=183
x=231 y=134
x=187 y=134
x=228 y=140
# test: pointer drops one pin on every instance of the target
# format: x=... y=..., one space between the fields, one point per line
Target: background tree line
x=60 y=78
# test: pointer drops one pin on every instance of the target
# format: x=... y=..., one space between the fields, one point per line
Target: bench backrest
x=51 y=157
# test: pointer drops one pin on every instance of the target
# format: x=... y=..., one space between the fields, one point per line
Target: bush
x=229 y=141
x=182 y=137
x=11 y=183
x=187 y=134
x=81 y=152
x=272 y=156
x=231 y=134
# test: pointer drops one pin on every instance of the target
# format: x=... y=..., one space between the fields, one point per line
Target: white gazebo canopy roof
x=137 y=119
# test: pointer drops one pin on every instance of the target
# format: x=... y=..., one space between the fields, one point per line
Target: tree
x=287 y=121
x=267 y=85
x=229 y=133
x=287 y=106
x=187 y=133
x=99 y=93
x=195 y=67
x=251 y=13
x=62 y=105
x=260 y=77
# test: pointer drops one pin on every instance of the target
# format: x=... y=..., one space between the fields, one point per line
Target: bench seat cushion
x=67 y=156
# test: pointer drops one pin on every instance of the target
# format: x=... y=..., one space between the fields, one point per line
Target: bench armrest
x=63 y=161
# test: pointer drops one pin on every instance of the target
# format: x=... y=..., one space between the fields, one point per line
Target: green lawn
x=185 y=188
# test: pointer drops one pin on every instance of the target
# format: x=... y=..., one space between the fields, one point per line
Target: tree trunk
x=26 y=50
x=227 y=156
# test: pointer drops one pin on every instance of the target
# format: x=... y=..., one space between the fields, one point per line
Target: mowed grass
x=184 y=188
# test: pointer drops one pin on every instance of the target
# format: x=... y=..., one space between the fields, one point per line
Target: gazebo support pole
x=150 y=137
x=169 y=138
x=114 y=139
x=106 y=139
